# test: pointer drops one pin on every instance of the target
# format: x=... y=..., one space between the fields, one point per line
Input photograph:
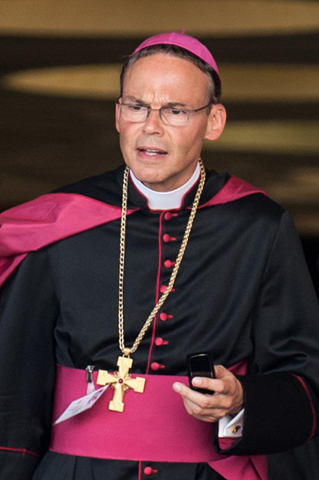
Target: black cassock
x=243 y=292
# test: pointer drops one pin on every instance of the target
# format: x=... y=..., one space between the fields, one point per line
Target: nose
x=153 y=124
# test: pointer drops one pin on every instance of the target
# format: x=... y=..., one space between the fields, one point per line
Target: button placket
x=167 y=238
x=167 y=264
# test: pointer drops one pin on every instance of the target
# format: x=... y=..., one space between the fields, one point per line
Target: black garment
x=57 y=467
x=243 y=292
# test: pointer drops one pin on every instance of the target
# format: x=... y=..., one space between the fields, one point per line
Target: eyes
x=176 y=111
x=166 y=110
x=173 y=116
x=136 y=108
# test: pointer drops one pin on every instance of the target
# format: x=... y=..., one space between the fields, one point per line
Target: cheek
x=187 y=142
x=117 y=118
x=196 y=137
x=125 y=131
x=128 y=135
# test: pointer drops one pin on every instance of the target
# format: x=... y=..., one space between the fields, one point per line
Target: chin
x=151 y=182
x=146 y=175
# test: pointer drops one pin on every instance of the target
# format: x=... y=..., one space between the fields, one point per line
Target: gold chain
x=128 y=351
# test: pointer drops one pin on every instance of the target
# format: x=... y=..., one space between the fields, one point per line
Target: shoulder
x=259 y=204
x=106 y=187
x=238 y=197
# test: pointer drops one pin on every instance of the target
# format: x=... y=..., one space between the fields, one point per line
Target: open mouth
x=152 y=152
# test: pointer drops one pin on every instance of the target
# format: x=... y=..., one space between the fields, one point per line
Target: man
x=129 y=272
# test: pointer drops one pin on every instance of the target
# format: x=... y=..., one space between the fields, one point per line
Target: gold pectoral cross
x=120 y=381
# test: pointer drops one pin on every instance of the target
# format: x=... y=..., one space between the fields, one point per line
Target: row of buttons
x=155 y=366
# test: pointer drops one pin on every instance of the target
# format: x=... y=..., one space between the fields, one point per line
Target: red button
x=167 y=238
x=165 y=316
x=168 y=264
x=164 y=288
x=169 y=215
x=156 y=366
x=159 y=341
x=149 y=471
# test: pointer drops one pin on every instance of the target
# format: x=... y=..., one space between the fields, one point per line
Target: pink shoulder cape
x=55 y=216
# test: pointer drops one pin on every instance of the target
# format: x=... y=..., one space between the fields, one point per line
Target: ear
x=117 y=117
x=216 y=122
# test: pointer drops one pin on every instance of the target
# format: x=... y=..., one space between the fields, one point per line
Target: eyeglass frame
x=149 y=109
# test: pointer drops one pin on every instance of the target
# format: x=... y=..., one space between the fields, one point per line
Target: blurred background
x=59 y=66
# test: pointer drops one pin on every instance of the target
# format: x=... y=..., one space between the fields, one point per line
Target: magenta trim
x=29 y=227
x=255 y=468
x=313 y=410
x=153 y=427
x=23 y=451
x=233 y=190
x=158 y=278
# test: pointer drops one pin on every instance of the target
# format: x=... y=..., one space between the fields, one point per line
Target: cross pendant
x=120 y=381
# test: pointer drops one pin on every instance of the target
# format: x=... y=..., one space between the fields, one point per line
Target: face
x=161 y=156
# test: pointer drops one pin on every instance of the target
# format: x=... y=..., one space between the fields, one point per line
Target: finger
x=200 y=405
x=225 y=382
x=202 y=410
x=182 y=389
x=192 y=396
x=204 y=401
x=208 y=384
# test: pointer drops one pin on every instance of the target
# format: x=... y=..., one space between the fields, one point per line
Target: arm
x=281 y=389
x=27 y=367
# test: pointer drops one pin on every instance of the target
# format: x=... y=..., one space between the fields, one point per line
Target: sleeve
x=28 y=310
x=281 y=389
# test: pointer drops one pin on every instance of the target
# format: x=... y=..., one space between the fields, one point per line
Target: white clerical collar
x=166 y=200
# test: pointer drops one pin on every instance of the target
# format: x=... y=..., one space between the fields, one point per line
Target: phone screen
x=200 y=365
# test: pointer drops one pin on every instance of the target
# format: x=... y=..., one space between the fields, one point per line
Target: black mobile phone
x=200 y=365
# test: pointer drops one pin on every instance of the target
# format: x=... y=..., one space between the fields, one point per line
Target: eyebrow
x=133 y=99
x=177 y=104
x=168 y=105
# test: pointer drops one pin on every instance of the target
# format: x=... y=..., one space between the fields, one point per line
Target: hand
x=227 y=399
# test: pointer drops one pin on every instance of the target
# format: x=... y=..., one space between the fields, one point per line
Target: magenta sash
x=153 y=427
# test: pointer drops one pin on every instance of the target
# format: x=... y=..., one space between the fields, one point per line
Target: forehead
x=164 y=76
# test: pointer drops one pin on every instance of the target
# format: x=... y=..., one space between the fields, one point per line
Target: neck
x=166 y=200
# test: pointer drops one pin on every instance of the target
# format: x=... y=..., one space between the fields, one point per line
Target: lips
x=152 y=152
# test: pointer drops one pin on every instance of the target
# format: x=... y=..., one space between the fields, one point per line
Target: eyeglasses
x=169 y=115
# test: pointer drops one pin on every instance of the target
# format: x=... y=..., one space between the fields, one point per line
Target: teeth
x=152 y=152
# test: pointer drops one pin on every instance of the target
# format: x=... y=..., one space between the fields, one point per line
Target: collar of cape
x=56 y=216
